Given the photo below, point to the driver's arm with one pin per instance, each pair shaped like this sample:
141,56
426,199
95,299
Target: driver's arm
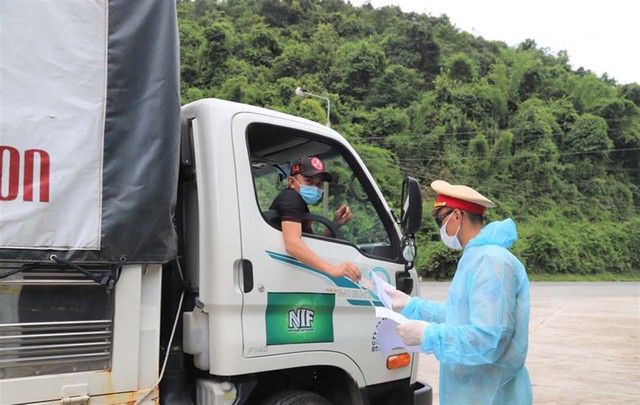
292,234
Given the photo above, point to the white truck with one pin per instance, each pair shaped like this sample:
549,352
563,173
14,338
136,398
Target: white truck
139,260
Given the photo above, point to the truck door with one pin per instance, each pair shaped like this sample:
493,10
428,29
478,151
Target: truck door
288,306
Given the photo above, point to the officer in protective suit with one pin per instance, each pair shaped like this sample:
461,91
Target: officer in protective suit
480,335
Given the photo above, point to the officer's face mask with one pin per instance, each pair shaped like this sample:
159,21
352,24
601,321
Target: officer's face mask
310,195
450,241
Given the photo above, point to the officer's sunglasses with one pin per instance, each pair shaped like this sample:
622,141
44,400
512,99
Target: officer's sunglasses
441,217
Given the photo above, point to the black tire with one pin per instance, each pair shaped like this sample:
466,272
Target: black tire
296,397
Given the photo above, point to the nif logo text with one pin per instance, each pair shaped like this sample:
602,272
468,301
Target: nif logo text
301,318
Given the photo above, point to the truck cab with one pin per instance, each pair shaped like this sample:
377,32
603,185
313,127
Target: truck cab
287,325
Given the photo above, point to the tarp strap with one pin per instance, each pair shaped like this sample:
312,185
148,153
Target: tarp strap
108,280
25,268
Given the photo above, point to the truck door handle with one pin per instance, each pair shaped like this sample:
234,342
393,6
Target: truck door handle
247,275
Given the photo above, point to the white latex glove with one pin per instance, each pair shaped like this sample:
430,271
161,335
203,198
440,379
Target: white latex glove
399,299
412,332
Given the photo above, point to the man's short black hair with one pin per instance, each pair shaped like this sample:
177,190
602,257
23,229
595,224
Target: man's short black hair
475,218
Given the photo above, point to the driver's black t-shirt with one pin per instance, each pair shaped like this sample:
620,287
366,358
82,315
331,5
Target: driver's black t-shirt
292,207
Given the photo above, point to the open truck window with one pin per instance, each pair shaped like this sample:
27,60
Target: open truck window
273,149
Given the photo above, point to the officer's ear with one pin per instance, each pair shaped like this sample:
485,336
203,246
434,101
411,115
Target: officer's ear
458,213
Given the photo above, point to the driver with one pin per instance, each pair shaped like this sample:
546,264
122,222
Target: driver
306,184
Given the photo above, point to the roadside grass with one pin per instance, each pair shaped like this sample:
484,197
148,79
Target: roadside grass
631,276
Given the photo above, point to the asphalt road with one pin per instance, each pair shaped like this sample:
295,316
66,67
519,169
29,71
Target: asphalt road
584,342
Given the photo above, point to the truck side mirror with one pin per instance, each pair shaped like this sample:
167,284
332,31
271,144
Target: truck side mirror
411,214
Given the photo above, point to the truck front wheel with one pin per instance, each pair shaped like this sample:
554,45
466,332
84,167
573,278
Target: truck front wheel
297,397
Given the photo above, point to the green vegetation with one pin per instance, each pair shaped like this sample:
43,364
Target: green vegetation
634,276
557,149
559,278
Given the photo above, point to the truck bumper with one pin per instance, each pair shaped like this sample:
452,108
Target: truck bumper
422,393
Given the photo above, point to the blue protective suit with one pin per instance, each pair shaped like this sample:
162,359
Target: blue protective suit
480,335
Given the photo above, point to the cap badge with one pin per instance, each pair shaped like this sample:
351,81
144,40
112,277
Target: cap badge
317,163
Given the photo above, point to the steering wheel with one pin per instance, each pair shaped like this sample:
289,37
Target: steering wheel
326,222
273,217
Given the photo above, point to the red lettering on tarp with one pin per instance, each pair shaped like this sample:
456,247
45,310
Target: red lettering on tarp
10,172
29,162
12,165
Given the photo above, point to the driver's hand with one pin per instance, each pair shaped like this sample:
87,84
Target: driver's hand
346,269
343,215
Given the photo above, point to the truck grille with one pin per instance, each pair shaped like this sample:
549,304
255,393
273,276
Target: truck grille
50,342
51,325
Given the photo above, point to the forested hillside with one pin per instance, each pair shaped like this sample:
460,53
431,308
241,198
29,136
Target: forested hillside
557,149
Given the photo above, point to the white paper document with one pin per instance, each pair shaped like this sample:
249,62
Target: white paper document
387,334
379,288
389,314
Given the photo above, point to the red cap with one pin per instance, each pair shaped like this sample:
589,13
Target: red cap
460,197
310,166
452,202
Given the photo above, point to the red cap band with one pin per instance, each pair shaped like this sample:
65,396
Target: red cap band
452,202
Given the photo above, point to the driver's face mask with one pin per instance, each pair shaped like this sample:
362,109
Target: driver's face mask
310,194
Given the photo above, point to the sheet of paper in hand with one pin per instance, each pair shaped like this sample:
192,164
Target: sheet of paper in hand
387,334
379,287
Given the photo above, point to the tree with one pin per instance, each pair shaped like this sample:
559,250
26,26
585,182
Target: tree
461,68
218,47
588,91
587,146
261,46
385,169
533,122
479,153
192,42
631,92
294,60
412,44
356,66
397,86
324,47
382,122
282,13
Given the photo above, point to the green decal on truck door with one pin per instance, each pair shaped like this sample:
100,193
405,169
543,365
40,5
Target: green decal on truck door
299,318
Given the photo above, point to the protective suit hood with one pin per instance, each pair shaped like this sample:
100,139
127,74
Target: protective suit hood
501,233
